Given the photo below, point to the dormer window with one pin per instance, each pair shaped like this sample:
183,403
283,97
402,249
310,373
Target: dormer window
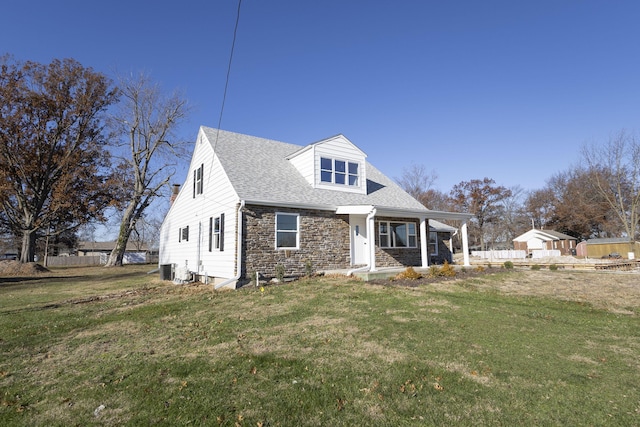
332,164
340,172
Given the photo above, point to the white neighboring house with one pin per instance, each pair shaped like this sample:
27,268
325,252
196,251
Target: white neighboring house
537,240
253,205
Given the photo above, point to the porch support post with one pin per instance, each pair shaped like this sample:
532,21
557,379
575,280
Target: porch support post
465,244
371,239
424,242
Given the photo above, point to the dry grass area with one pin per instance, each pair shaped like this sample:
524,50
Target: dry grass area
615,291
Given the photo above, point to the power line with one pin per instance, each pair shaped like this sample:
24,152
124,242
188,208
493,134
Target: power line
226,84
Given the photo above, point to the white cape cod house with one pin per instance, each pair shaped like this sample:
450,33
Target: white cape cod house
250,204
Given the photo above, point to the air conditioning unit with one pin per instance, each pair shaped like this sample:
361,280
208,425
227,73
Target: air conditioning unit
183,274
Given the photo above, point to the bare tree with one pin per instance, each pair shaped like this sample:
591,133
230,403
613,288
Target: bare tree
513,218
417,181
146,124
540,207
615,175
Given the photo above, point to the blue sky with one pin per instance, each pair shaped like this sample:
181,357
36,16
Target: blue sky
508,90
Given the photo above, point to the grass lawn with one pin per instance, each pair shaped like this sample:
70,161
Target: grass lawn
95,346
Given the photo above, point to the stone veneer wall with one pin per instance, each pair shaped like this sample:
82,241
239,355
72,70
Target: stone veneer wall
324,242
444,253
397,257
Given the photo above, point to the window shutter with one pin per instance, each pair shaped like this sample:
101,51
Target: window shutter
195,172
201,189
221,232
210,234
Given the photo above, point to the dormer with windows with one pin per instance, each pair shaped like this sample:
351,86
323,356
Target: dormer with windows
333,164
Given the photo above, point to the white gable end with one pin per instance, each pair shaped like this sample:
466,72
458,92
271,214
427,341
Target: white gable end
199,230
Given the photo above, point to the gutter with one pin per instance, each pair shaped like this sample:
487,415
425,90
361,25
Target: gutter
239,251
371,239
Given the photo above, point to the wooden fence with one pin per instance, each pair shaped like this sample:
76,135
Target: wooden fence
76,261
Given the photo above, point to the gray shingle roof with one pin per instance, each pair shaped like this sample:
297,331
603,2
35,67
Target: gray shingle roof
259,171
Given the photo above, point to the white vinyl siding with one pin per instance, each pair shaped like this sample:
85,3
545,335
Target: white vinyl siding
303,162
221,201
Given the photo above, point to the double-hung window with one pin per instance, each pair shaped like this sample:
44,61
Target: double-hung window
397,234
433,243
287,230
341,172
198,176
216,233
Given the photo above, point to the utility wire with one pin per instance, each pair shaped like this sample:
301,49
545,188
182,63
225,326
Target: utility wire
226,84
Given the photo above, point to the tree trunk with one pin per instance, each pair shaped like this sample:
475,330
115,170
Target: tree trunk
28,246
117,254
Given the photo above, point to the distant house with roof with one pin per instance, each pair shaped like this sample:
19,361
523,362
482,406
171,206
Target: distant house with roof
135,252
535,239
253,205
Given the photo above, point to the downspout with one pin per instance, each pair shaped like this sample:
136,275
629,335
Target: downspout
239,251
371,239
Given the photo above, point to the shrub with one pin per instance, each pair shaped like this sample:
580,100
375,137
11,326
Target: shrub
535,267
280,272
508,265
553,267
308,268
479,269
409,273
446,270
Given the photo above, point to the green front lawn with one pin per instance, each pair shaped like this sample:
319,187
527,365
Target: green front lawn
116,346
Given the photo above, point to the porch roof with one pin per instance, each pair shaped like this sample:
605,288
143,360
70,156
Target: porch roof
395,211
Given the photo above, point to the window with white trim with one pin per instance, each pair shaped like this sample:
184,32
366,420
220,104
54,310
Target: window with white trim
433,243
216,233
198,176
341,172
287,230
397,234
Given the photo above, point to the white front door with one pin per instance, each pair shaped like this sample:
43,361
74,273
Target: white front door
359,250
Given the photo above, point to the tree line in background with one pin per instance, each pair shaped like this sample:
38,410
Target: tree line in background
599,198
75,147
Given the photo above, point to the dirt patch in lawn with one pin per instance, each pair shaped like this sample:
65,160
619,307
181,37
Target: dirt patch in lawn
17,268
